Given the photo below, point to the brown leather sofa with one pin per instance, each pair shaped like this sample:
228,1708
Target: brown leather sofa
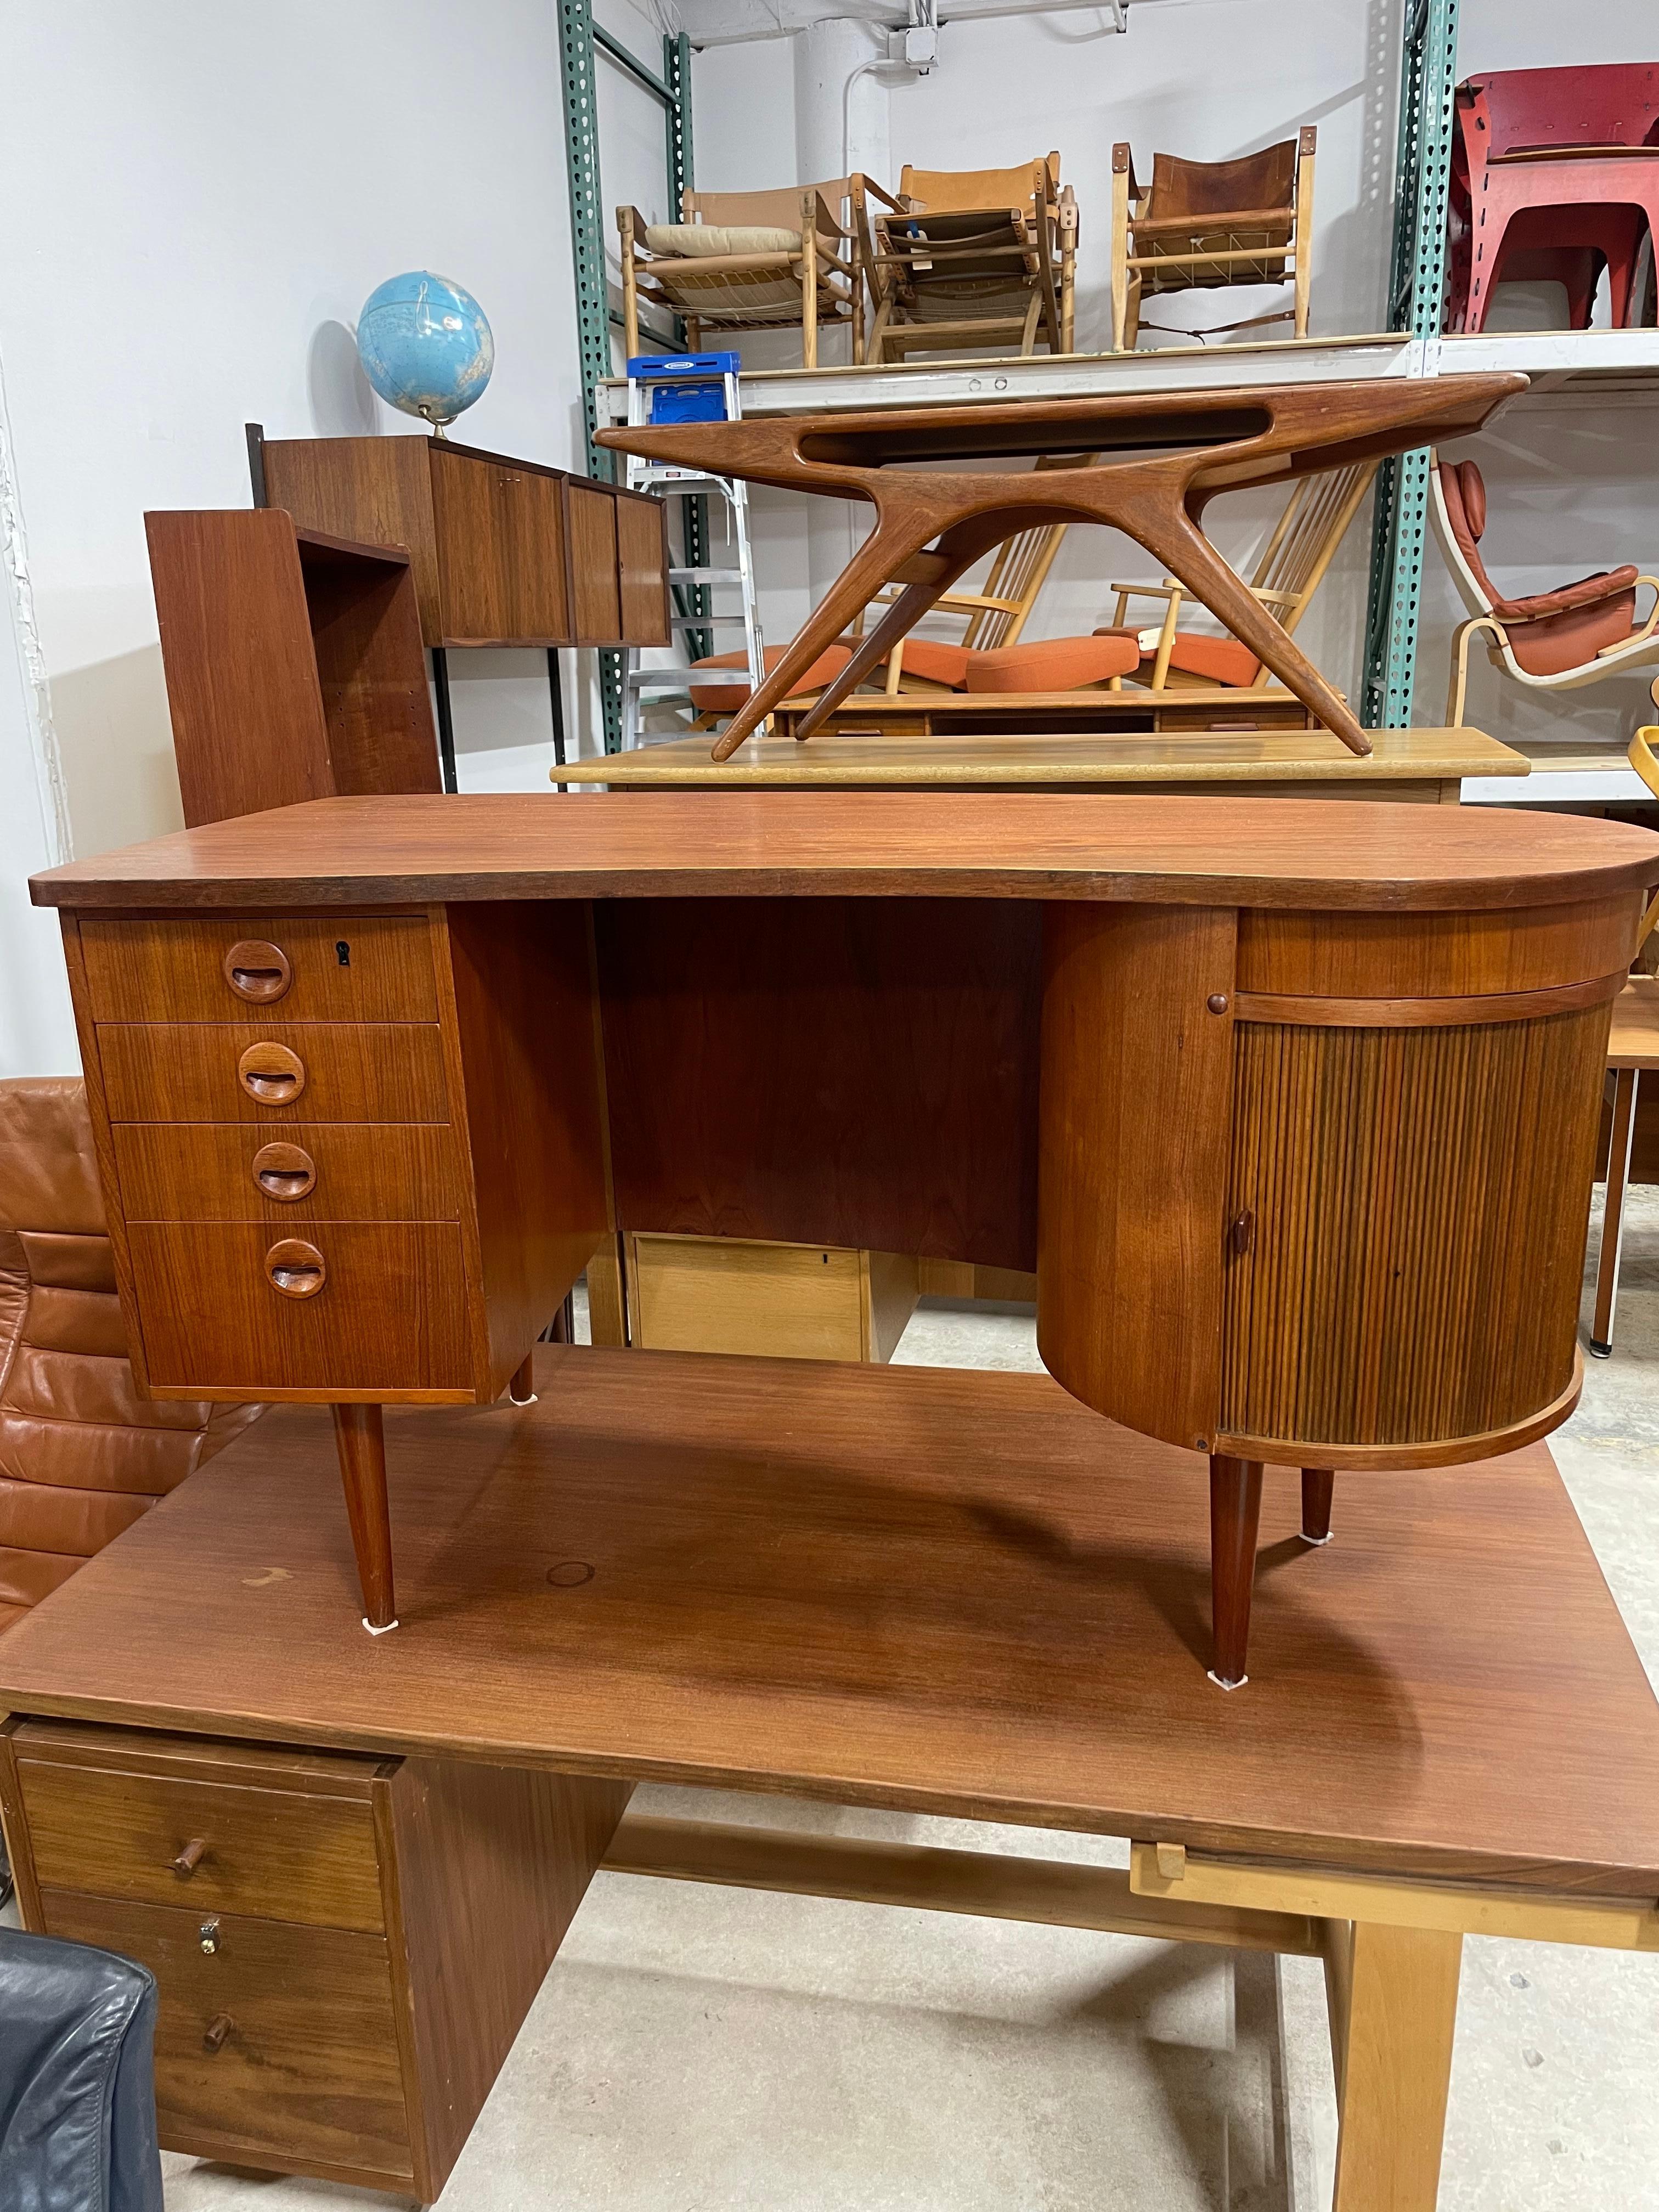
81,1454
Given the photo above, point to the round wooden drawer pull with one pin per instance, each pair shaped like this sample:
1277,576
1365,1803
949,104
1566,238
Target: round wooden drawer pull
189,1858
271,1073
218,2030
256,970
285,1171
298,1270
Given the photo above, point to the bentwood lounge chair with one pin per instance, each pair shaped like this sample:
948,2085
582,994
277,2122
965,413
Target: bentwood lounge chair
734,262
972,258
1555,641
1555,175
1205,225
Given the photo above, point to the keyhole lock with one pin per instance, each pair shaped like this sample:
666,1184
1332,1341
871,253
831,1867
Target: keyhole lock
208,1936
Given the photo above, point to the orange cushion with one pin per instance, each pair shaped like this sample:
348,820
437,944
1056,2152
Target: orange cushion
1572,638
935,662
1217,660
1055,664
729,698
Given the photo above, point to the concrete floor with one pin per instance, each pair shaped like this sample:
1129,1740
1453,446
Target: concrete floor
695,2048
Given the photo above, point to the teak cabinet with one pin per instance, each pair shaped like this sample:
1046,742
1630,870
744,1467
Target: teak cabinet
293,663
345,1946
502,551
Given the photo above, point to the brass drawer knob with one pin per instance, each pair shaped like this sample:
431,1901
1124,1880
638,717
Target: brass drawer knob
208,1937
285,1171
218,2028
295,1268
258,971
189,1858
271,1073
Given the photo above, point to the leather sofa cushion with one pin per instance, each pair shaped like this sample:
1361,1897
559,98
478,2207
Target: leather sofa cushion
69,1263
1464,492
83,1455
28,1577
38,1516
1574,637
48,1171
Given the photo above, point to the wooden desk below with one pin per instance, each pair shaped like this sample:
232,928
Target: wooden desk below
1403,765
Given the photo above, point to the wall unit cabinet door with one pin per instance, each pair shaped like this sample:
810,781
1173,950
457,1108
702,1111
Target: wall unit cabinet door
592,510
642,569
501,551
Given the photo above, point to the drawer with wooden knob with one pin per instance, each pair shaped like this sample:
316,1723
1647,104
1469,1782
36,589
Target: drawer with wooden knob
277,1070
181,1171
331,968
273,2036
281,1838
365,1308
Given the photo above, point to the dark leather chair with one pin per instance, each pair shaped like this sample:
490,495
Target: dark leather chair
77,2080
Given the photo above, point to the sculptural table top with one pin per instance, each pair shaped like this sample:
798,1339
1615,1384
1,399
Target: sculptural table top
1314,854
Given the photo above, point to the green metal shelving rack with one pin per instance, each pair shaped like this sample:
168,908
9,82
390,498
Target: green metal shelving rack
1416,288
579,35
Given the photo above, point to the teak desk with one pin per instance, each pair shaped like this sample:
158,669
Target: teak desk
1292,1106
349,1865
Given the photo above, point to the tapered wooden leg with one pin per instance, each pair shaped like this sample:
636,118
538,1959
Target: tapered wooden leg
522,1389
1624,1082
1317,1484
1235,1514
1400,1997
360,1439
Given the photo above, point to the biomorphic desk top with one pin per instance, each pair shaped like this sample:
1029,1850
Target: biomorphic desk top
1202,851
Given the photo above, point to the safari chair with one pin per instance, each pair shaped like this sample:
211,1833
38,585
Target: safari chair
734,262
1205,225
1554,641
1291,569
970,259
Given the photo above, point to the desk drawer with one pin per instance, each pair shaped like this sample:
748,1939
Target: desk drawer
340,1305
282,2040
184,1171
344,968
205,1847
305,1070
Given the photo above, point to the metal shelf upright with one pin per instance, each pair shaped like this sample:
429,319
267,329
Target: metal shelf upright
1417,285
579,35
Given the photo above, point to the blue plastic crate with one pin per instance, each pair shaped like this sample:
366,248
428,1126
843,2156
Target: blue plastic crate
685,387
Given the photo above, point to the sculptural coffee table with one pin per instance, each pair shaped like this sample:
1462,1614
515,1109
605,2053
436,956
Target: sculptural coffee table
1159,461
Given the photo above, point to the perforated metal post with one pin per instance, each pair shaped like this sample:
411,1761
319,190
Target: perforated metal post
581,142
1417,286
688,599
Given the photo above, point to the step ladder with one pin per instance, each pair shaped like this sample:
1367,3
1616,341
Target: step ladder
696,387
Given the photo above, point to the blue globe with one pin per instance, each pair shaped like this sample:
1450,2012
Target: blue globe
426,345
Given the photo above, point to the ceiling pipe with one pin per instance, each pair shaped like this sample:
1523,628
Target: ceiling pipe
736,23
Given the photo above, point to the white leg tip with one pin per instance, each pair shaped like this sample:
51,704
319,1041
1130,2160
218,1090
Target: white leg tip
1220,1685
1307,1538
372,1630
529,1400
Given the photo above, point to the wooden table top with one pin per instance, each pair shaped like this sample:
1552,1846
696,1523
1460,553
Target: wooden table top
1205,851
1050,759
961,1593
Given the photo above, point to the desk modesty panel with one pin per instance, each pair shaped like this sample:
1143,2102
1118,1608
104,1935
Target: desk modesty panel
1265,1092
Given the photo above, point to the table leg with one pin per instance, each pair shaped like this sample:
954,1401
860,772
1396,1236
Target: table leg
556,687
446,721
360,1439
1625,1084
1402,2000
522,1387
1317,1484
1235,1514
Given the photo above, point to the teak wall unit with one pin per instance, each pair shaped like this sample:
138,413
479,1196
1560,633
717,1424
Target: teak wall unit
503,552
1292,1106
293,663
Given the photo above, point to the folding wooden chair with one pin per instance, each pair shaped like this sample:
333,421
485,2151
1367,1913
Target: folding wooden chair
971,258
1554,641
735,262
1202,225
